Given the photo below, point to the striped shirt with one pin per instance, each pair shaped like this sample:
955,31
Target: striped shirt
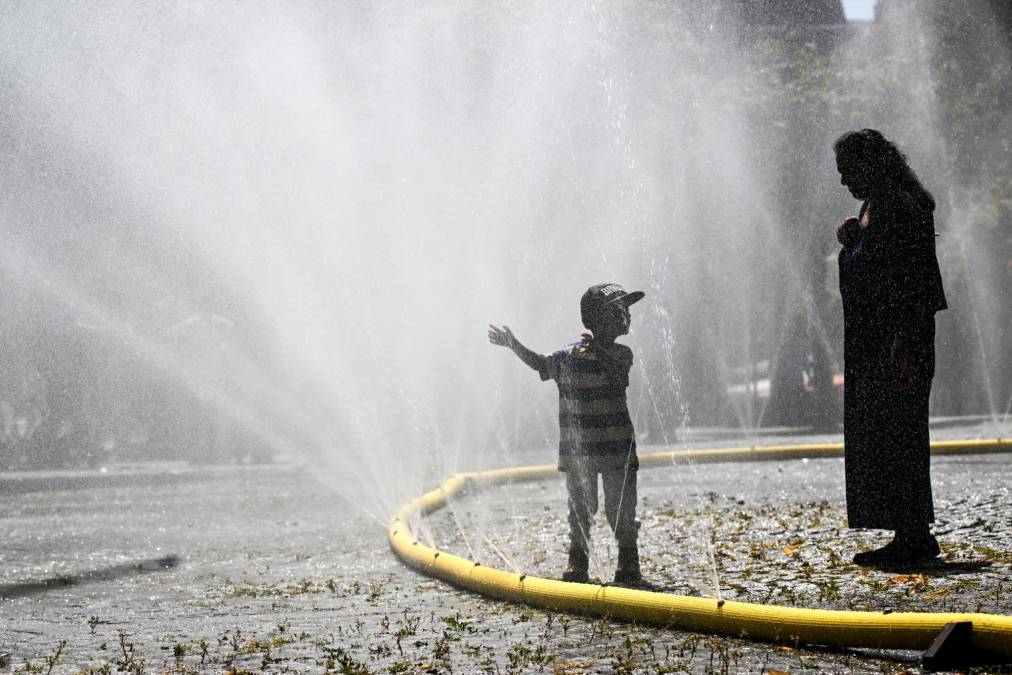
594,425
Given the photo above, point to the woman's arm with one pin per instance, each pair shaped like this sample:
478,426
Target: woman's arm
912,277
912,281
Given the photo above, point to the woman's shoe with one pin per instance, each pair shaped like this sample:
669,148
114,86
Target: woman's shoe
901,551
880,556
921,548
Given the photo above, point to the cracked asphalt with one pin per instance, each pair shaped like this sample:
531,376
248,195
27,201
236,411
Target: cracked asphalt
275,573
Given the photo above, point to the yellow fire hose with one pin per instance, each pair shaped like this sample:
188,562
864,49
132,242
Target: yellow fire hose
991,634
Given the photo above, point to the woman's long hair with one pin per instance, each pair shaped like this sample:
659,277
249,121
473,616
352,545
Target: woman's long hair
887,165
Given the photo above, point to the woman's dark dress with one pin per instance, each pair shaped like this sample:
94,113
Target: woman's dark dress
891,286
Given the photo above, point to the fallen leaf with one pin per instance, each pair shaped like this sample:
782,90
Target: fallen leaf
936,594
790,550
907,579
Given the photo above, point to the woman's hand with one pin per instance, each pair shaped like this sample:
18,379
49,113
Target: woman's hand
847,231
898,357
502,337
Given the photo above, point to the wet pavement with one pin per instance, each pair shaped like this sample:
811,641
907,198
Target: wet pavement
276,573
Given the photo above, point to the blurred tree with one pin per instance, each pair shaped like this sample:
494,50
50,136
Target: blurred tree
972,66
793,13
794,65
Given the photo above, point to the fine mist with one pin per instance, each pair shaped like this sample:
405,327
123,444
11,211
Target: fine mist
304,215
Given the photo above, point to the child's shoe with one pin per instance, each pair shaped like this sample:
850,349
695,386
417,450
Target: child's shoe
628,569
576,570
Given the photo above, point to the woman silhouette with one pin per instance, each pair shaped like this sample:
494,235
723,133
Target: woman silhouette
891,289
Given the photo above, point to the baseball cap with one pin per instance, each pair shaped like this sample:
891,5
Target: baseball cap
598,296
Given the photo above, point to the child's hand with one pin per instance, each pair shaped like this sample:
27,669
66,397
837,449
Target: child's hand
589,344
501,336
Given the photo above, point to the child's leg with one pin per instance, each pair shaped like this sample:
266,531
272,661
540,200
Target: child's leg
620,504
582,486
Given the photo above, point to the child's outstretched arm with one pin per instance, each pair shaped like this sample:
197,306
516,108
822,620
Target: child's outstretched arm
504,338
